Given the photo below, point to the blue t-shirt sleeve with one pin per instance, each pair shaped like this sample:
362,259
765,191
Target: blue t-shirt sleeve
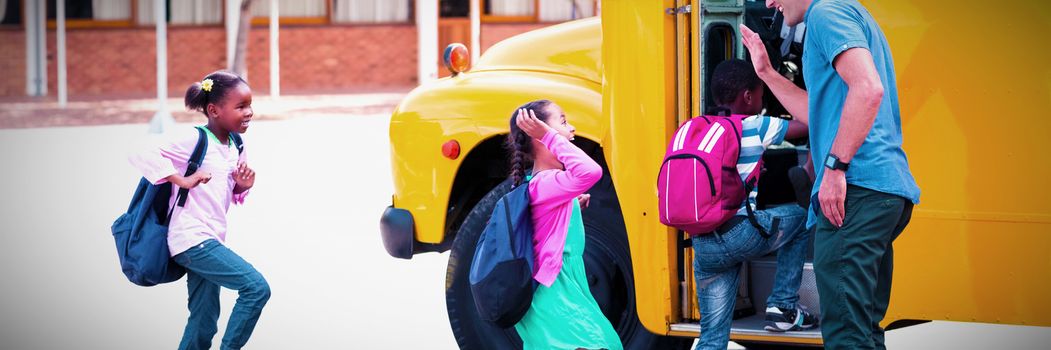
837,27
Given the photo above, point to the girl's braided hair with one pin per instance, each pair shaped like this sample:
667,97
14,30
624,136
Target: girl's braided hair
519,144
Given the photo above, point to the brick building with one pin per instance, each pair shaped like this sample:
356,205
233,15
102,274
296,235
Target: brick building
325,45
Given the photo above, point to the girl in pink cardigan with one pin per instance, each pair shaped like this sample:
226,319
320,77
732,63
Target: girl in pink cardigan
564,314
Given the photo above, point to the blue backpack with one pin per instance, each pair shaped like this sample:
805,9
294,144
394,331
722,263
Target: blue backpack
501,273
141,234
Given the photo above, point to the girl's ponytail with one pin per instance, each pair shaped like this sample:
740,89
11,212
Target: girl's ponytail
521,149
196,99
211,89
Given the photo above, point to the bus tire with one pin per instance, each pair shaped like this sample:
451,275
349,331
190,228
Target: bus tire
608,265
470,331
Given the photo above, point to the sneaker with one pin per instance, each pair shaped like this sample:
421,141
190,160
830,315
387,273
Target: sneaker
786,320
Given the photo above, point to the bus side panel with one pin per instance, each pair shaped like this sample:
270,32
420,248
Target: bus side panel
638,55
974,90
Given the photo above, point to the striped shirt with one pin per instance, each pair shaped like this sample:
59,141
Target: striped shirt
758,133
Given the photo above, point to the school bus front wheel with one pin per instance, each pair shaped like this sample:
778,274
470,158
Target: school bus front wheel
608,265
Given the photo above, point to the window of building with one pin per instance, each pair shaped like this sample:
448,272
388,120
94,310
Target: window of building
292,11
10,13
527,10
509,10
183,12
94,13
565,10
371,11
455,8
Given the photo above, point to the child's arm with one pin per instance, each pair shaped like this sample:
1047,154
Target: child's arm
796,130
771,130
191,181
581,172
159,164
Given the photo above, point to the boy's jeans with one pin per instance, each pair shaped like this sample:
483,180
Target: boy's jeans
210,265
717,261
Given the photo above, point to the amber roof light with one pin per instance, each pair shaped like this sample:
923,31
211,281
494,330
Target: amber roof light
456,58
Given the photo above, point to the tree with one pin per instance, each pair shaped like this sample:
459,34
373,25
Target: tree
241,49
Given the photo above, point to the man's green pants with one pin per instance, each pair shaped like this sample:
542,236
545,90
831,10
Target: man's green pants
854,266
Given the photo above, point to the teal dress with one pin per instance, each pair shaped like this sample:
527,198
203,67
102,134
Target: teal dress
565,315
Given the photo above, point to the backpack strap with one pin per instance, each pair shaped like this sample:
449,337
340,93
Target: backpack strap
194,163
751,184
751,213
236,139
738,133
510,227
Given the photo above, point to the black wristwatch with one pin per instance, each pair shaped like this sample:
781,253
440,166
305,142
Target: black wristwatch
833,162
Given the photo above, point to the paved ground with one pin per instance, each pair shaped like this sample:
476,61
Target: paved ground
37,112
310,225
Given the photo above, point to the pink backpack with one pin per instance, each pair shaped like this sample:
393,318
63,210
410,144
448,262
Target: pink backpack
699,187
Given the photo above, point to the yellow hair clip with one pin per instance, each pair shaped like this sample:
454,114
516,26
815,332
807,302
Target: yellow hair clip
206,85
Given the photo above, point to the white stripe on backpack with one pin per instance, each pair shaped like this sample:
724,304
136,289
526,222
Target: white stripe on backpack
715,139
667,189
680,137
711,138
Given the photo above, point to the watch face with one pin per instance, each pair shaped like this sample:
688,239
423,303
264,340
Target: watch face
830,162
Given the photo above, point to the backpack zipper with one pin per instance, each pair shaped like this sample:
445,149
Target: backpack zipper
711,179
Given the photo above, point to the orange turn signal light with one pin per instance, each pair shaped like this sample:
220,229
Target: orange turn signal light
451,149
456,58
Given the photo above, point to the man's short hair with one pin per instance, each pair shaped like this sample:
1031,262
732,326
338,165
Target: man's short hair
730,78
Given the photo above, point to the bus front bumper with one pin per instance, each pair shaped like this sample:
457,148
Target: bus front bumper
398,231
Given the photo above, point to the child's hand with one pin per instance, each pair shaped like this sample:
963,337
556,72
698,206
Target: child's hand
244,177
584,200
531,125
191,181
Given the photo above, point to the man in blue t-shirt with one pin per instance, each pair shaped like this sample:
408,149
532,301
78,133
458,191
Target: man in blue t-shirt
865,190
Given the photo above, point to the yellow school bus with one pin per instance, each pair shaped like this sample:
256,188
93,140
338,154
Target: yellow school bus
974,85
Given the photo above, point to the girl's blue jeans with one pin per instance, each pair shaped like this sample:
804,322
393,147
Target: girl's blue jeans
211,265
